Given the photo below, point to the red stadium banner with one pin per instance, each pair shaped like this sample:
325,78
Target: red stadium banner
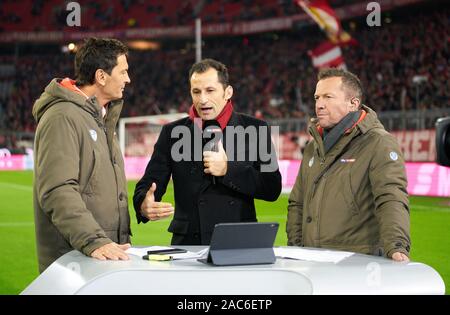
184,31
239,28
327,55
417,146
322,13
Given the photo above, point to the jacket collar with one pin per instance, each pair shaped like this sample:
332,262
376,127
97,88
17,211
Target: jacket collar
371,120
222,118
91,105
363,125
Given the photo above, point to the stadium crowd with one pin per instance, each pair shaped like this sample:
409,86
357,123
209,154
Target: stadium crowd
272,73
51,15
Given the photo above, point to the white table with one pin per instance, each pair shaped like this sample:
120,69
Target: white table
74,273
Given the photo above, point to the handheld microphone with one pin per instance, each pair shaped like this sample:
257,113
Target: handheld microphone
213,133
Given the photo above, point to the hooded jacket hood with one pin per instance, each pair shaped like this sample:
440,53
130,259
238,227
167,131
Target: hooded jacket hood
369,120
64,90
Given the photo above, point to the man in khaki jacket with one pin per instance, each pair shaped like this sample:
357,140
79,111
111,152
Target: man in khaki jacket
80,192
350,193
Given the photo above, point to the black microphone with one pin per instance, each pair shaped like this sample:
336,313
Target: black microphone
212,135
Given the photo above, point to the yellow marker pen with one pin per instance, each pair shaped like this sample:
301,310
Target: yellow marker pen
157,257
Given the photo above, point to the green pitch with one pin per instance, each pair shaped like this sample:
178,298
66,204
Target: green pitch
430,230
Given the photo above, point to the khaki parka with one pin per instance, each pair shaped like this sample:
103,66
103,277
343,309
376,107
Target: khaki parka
353,198
80,193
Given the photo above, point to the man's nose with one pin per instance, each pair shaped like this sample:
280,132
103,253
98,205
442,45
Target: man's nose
127,79
203,99
320,104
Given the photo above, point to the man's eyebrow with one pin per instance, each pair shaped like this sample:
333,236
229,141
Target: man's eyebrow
326,93
206,88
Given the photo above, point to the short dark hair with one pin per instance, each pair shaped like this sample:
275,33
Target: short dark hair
350,81
206,64
97,53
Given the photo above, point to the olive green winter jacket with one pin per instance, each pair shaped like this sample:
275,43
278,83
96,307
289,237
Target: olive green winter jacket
354,197
80,193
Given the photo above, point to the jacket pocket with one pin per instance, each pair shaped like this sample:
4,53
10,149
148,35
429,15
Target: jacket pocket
91,183
348,194
178,227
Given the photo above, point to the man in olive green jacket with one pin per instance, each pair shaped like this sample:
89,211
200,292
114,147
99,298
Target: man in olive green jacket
350,193
80,193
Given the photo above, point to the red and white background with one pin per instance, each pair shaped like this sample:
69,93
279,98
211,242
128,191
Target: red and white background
425,178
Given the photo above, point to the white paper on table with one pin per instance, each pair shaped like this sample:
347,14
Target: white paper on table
141,251
311,254
191,255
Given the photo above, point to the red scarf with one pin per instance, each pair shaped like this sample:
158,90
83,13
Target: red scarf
223,118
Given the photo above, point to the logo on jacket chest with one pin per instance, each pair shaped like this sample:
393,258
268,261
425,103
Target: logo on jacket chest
93,134
311,162
393,155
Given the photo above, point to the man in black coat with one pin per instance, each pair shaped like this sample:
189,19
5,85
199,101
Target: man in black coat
211,185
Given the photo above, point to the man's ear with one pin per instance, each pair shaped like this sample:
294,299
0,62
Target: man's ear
228,92
356,102
100,77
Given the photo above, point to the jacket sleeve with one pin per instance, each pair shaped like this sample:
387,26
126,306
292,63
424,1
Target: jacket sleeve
388,179
158,171
260,180
57,186
295,211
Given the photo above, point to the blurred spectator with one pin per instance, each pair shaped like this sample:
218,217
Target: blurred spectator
104,15
271,72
